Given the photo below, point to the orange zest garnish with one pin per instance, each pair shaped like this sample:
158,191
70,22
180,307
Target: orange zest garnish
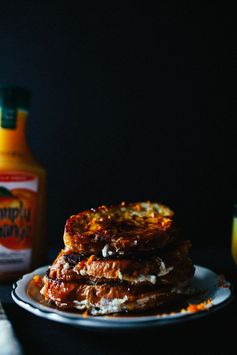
203,306
37,279
91,258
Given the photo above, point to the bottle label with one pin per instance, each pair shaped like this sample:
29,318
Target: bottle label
18,192
8,117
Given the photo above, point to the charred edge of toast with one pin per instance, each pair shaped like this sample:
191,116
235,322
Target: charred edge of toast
93,281
72,258
142,288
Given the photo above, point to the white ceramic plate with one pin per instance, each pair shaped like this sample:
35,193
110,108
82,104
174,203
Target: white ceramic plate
204,280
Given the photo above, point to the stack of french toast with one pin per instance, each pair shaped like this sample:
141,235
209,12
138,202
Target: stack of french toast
121,258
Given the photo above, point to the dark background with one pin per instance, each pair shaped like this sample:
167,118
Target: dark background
129,103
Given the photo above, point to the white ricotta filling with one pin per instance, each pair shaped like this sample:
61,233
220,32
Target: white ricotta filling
163,269
105,306
141,278
149,278
141,303
120,275
106,252
42,291
59,304
66,266
81,304
136,280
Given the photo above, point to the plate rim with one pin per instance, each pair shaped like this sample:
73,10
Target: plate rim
109,321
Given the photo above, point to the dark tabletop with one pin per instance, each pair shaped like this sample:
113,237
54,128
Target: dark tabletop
213,334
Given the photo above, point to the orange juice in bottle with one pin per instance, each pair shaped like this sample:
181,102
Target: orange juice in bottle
22,189
234,236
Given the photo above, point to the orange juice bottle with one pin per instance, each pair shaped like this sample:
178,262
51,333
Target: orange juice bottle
234,236
22,190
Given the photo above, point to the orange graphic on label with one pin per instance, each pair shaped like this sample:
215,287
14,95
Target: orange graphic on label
17,218
18,192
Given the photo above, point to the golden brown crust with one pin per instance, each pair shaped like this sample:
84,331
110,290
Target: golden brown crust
119,229
105,299
177,274
67,267
119,258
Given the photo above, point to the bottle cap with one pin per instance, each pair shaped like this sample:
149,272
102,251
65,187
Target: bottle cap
15,96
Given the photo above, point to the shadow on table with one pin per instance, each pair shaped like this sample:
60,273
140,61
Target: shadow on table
202,336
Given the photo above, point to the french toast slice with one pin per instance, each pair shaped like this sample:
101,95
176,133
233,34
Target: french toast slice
120,229
106,299
70,266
